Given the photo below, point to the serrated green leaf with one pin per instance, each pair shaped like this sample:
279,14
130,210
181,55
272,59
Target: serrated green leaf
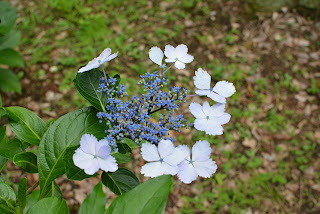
50,205
32,199
8,16
95,202
64,133
121,158
120,181
25,124
72,171
10,40
11,57
87,83
123,148
149,197
27,161
7,194
8,149
22,194
53,190
9,81
49,123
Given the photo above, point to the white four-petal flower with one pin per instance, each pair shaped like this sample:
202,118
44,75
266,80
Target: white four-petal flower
104,57
93,155
156,55
163,159
178,55
200,165
209,119
218,93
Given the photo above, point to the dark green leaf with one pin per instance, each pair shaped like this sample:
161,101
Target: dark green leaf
11,57
27,161
50,205
121,158
149,197
95,202
4,209
3,163
87,84
22,194
120,181
9,81
53,190
25,124
8,149
49,123
32,199
72,171
0,101
8,16
64,133
7,194
130,143
10,40
123,148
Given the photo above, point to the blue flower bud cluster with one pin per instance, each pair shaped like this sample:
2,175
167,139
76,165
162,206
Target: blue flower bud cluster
135,118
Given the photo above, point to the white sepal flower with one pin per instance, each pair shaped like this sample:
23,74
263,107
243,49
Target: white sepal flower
178,55
200,165
104,57
156,55
218,93
93,155
163,159
209,119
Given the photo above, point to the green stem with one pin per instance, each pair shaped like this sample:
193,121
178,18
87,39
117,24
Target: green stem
32,188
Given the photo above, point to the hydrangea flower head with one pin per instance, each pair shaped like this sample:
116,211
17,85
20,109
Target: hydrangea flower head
104,57
178,55
156,55
209,119
218,93
199,165
93,155
163,159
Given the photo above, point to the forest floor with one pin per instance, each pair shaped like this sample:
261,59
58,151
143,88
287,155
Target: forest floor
268,157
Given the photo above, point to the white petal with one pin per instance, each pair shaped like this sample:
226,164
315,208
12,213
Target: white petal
187,172
181,51
91,65
149,152
214,128
153,169
224,88
168,169
205,168
217,110
196,110
88,144
170,60
169,51
93,168
108,164
102,149
186,59
156,55
223,119
201,151
105,53
179,65
206,109
82,159
201,124
203,92
112,56
186,150
176,157
202,79
216,97
165,148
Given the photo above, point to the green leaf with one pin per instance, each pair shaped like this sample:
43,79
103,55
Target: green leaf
9,81
123,148
120,181
95,202
3,163
64,133
11,57
72,171
10,40
8,149
32,199
149,197
130,143
27,161
121,158
7,194
22,194
53,190
8,16
87,84
0,101
49,123
25,124
4,209
50,205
